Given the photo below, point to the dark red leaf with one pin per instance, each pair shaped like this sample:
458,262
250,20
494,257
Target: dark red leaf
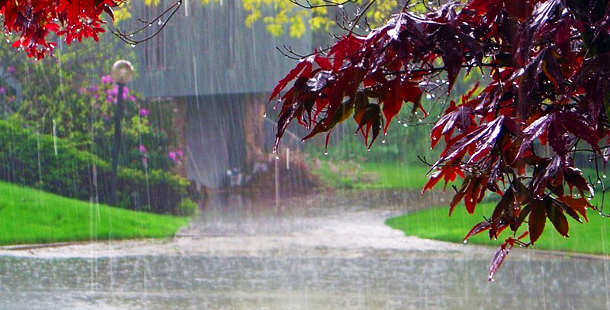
558,219
564,207
537,220
458,117
303,68
579,205
526,35
477,229
498,259
500,255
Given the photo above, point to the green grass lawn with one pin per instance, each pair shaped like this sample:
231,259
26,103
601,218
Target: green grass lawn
372,175
32,216
434,223
393,175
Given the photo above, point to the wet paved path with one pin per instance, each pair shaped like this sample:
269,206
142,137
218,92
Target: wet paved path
322,251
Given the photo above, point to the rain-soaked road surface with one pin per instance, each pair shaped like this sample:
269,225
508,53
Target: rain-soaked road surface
322,251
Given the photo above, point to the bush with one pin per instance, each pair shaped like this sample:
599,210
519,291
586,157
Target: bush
54,165
187,208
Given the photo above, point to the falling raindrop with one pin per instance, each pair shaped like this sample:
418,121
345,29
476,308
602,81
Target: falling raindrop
55,137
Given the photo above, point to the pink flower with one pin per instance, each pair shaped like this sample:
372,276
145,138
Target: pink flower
2,90
179,153
142,149
132,98
144,112
106,79
172,155
11,69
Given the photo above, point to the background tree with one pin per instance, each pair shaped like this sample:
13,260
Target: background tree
544,87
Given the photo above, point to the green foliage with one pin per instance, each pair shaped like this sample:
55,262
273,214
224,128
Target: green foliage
187,208
70,97
34,216
55,165
53,89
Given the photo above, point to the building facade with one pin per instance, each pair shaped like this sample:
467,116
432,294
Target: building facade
219,73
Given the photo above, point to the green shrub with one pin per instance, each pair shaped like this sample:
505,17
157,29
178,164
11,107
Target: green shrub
187,208
54,165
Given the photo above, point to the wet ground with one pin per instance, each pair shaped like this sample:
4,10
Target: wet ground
320,251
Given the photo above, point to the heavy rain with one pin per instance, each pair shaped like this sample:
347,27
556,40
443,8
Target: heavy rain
244,154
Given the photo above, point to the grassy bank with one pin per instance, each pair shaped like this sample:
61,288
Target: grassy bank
435,224
371,175
32,216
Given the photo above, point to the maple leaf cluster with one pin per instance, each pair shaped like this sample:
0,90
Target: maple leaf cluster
547,86
34,20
